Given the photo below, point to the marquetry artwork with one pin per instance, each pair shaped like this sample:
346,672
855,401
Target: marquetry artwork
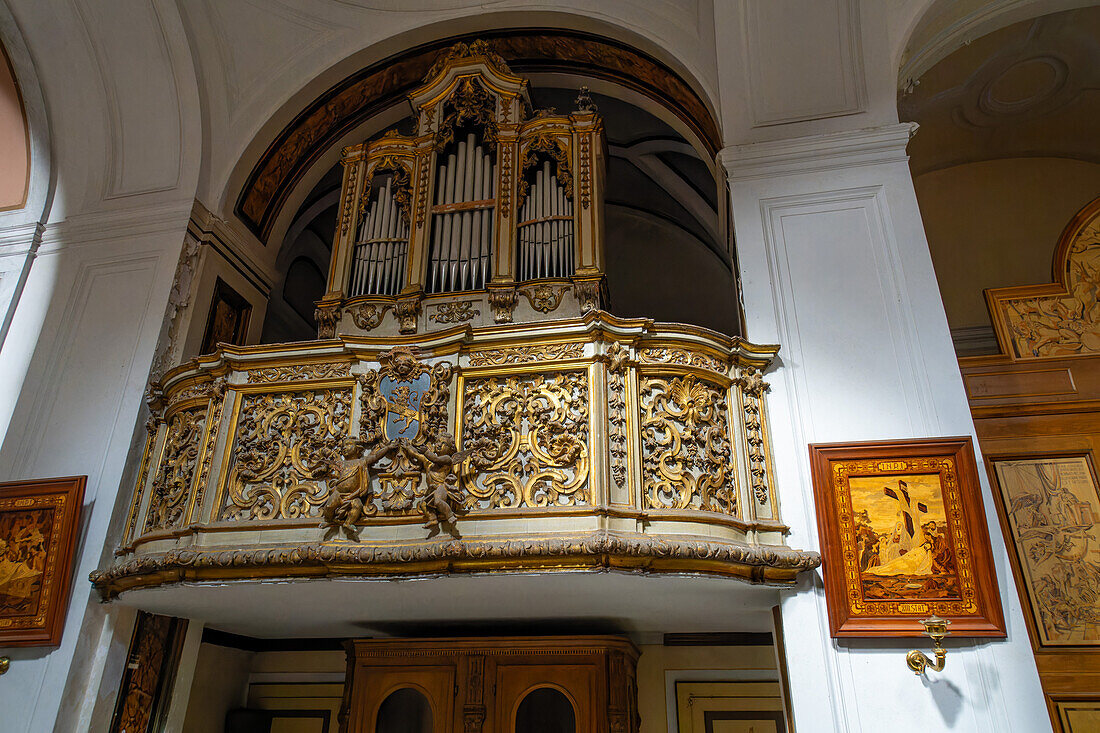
285,444
441,225
687,454
1063,318
38,531
567,683
385,457
904,533
538,427
1053,509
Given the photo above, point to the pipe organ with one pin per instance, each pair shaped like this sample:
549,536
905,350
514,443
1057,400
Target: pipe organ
462,219
382,247
488,201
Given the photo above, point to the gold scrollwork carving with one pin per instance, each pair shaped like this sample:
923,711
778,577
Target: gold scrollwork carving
327,317
286,442
349,196
527,354
458,311
407,311
299,372
687,457
368,316
545,298
679,357
402,185
179,459
503,302
538,425
470,104
618,358
753,388
554,148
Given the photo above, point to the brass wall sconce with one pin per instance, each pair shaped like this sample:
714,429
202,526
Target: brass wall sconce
5,662
936,628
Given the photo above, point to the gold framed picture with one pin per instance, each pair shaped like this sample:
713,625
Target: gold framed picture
38,529
903,537
1049,505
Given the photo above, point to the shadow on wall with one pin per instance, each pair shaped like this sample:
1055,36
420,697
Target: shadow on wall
656,269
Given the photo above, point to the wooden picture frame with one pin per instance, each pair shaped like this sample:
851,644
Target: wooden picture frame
903,537
228,320
38,531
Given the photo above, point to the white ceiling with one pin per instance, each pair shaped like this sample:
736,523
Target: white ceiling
631,603
1031,89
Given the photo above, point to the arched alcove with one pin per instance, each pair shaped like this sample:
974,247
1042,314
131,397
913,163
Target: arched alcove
668,257
15,148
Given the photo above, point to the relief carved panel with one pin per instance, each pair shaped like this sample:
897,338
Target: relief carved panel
687,455
537,425
285,443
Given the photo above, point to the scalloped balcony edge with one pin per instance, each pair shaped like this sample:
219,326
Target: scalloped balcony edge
760,564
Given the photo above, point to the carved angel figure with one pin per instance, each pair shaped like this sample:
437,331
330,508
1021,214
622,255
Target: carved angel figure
441,459
349,488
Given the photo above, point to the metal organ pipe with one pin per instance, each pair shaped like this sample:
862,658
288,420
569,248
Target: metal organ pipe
545,231
461,238
378,264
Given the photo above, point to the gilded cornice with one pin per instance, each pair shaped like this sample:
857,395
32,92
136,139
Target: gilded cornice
761,564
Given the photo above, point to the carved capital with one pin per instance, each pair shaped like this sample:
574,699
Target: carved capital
589,294
327,316
408,313
503,302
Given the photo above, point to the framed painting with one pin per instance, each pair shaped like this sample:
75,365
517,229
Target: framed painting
38,529
228,319
1050,507
903,537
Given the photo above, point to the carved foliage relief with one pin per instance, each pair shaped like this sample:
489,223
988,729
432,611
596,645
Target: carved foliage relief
172,481
1036,323
285,442
538,424
687,456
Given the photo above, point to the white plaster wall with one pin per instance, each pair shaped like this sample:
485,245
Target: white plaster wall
836,269
136,95
94,259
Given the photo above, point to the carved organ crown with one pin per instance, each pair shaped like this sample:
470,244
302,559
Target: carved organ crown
486,214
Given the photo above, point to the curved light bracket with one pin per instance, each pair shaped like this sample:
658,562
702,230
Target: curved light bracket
936,628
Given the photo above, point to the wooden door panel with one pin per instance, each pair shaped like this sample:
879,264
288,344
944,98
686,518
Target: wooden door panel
374,685
576,681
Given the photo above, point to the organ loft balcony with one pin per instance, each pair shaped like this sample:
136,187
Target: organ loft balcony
470,405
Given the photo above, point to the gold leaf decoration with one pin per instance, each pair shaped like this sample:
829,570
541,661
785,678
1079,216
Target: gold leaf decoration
172,482
539,423
285,443
687,457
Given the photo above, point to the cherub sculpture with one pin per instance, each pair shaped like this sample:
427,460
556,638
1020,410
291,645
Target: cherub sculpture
349,485
441,460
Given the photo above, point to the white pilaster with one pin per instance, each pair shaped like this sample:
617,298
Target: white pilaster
835,268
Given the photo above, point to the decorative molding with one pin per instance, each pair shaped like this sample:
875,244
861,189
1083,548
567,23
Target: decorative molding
975,341
458,311
764,564
816,153
526,354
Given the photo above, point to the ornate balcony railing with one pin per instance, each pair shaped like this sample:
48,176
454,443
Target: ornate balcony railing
581,443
